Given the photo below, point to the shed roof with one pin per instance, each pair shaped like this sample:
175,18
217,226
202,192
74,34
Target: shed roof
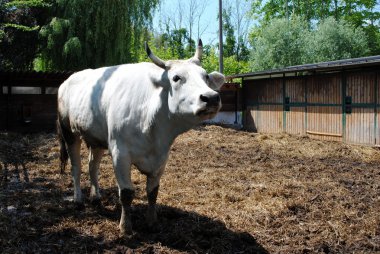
34,74
338,65
22,78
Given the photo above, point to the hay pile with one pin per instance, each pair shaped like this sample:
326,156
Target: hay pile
224,191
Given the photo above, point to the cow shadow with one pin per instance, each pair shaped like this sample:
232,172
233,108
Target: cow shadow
176,230
186,231
56,225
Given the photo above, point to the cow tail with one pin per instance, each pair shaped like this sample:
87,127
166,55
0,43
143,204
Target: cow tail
64,156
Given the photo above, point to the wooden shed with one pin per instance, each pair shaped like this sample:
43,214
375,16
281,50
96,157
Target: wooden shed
28,100
338,100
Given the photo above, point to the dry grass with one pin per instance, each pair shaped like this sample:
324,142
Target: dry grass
224,191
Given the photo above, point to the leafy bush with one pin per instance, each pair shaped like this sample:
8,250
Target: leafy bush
335,40
279,44
285,42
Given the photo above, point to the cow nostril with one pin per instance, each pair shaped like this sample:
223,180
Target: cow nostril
204,98
211,100
214,99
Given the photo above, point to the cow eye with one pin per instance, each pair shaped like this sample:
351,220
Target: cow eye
207,77
176,78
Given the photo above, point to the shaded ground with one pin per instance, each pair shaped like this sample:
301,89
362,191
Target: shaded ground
224,191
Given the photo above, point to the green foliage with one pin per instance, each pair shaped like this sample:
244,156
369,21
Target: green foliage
232,66
356,11
21,27
28,4
229,48
335,40
20,22
210,61
359,13
279,44
285,43
86,33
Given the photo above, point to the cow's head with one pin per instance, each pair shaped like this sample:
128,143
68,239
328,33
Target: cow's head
192,91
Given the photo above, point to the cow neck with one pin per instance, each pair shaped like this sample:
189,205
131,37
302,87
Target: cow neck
167,126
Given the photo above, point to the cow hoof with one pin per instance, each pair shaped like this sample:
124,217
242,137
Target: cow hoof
79,206
126,230
95,202
153,227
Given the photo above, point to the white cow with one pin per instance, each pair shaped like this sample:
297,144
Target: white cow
135,111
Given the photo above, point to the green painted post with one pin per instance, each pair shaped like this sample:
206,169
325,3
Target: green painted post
305,84
343,84
283,104
376,105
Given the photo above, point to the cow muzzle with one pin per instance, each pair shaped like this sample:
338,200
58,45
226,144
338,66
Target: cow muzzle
211,104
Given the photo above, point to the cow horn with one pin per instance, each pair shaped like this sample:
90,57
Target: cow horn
157,61
197,58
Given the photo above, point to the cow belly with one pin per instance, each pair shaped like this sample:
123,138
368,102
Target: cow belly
94,141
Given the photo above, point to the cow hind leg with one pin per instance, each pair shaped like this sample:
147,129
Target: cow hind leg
94,158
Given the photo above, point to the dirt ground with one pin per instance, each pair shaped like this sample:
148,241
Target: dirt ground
224,191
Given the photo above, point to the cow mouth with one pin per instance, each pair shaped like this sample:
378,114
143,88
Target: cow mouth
208,112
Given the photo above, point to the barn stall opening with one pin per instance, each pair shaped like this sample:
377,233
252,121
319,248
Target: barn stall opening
338,100
28,100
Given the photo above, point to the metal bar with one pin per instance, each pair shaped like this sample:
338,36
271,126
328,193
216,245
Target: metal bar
375,108
332,65
243,102
8,113
283,103
253,103
302,104
220,37
343,87
324,134
306,93
236,105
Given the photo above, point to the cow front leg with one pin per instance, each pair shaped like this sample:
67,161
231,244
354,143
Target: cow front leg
95,156
152,187
122,167
126,198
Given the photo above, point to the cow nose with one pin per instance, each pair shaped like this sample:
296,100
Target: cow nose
211,99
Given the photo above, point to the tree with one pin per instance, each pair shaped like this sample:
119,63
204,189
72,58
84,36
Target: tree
86,33
334,40
195,12
242,22
228,31
279,44
236,28
360,13
232,66
20,22
290,42
185,19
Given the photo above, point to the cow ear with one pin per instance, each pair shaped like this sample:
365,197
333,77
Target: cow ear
216,80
